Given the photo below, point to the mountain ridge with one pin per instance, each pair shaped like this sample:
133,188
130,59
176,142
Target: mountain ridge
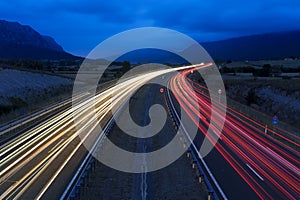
276,45
19,41
23,42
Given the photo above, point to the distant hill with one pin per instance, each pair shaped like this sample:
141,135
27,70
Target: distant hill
255,47
150,55
22,42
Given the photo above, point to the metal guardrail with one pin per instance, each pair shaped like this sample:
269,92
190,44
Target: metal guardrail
205,174
10,126
14,124
78,179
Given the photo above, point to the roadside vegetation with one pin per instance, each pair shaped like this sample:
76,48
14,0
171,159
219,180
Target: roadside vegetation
271,87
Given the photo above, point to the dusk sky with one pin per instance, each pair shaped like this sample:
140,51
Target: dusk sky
80,25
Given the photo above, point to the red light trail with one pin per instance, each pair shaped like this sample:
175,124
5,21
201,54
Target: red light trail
243,142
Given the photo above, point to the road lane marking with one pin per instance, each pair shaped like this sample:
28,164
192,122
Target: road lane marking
255,172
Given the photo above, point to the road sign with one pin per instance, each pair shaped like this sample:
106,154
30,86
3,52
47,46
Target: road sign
275,120
161,90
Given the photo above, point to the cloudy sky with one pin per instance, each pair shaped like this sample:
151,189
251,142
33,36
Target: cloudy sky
80,25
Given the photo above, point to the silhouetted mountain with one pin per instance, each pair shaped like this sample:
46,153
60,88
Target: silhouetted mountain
265,46
19,41
255,47
150,55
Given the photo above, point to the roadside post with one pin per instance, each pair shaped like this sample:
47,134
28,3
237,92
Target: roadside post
219,92
266,129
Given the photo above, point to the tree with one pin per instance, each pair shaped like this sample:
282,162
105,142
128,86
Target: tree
126,66
266,70
251,97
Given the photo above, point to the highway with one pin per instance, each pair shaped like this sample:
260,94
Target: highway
103,182
246,163
32,163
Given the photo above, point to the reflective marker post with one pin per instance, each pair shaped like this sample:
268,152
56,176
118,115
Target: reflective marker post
266,129
219,92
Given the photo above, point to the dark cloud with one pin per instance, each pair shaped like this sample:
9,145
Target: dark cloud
79,25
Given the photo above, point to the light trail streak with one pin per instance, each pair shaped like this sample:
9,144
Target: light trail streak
54,137
244,144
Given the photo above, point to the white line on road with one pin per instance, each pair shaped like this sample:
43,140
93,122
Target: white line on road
255,172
